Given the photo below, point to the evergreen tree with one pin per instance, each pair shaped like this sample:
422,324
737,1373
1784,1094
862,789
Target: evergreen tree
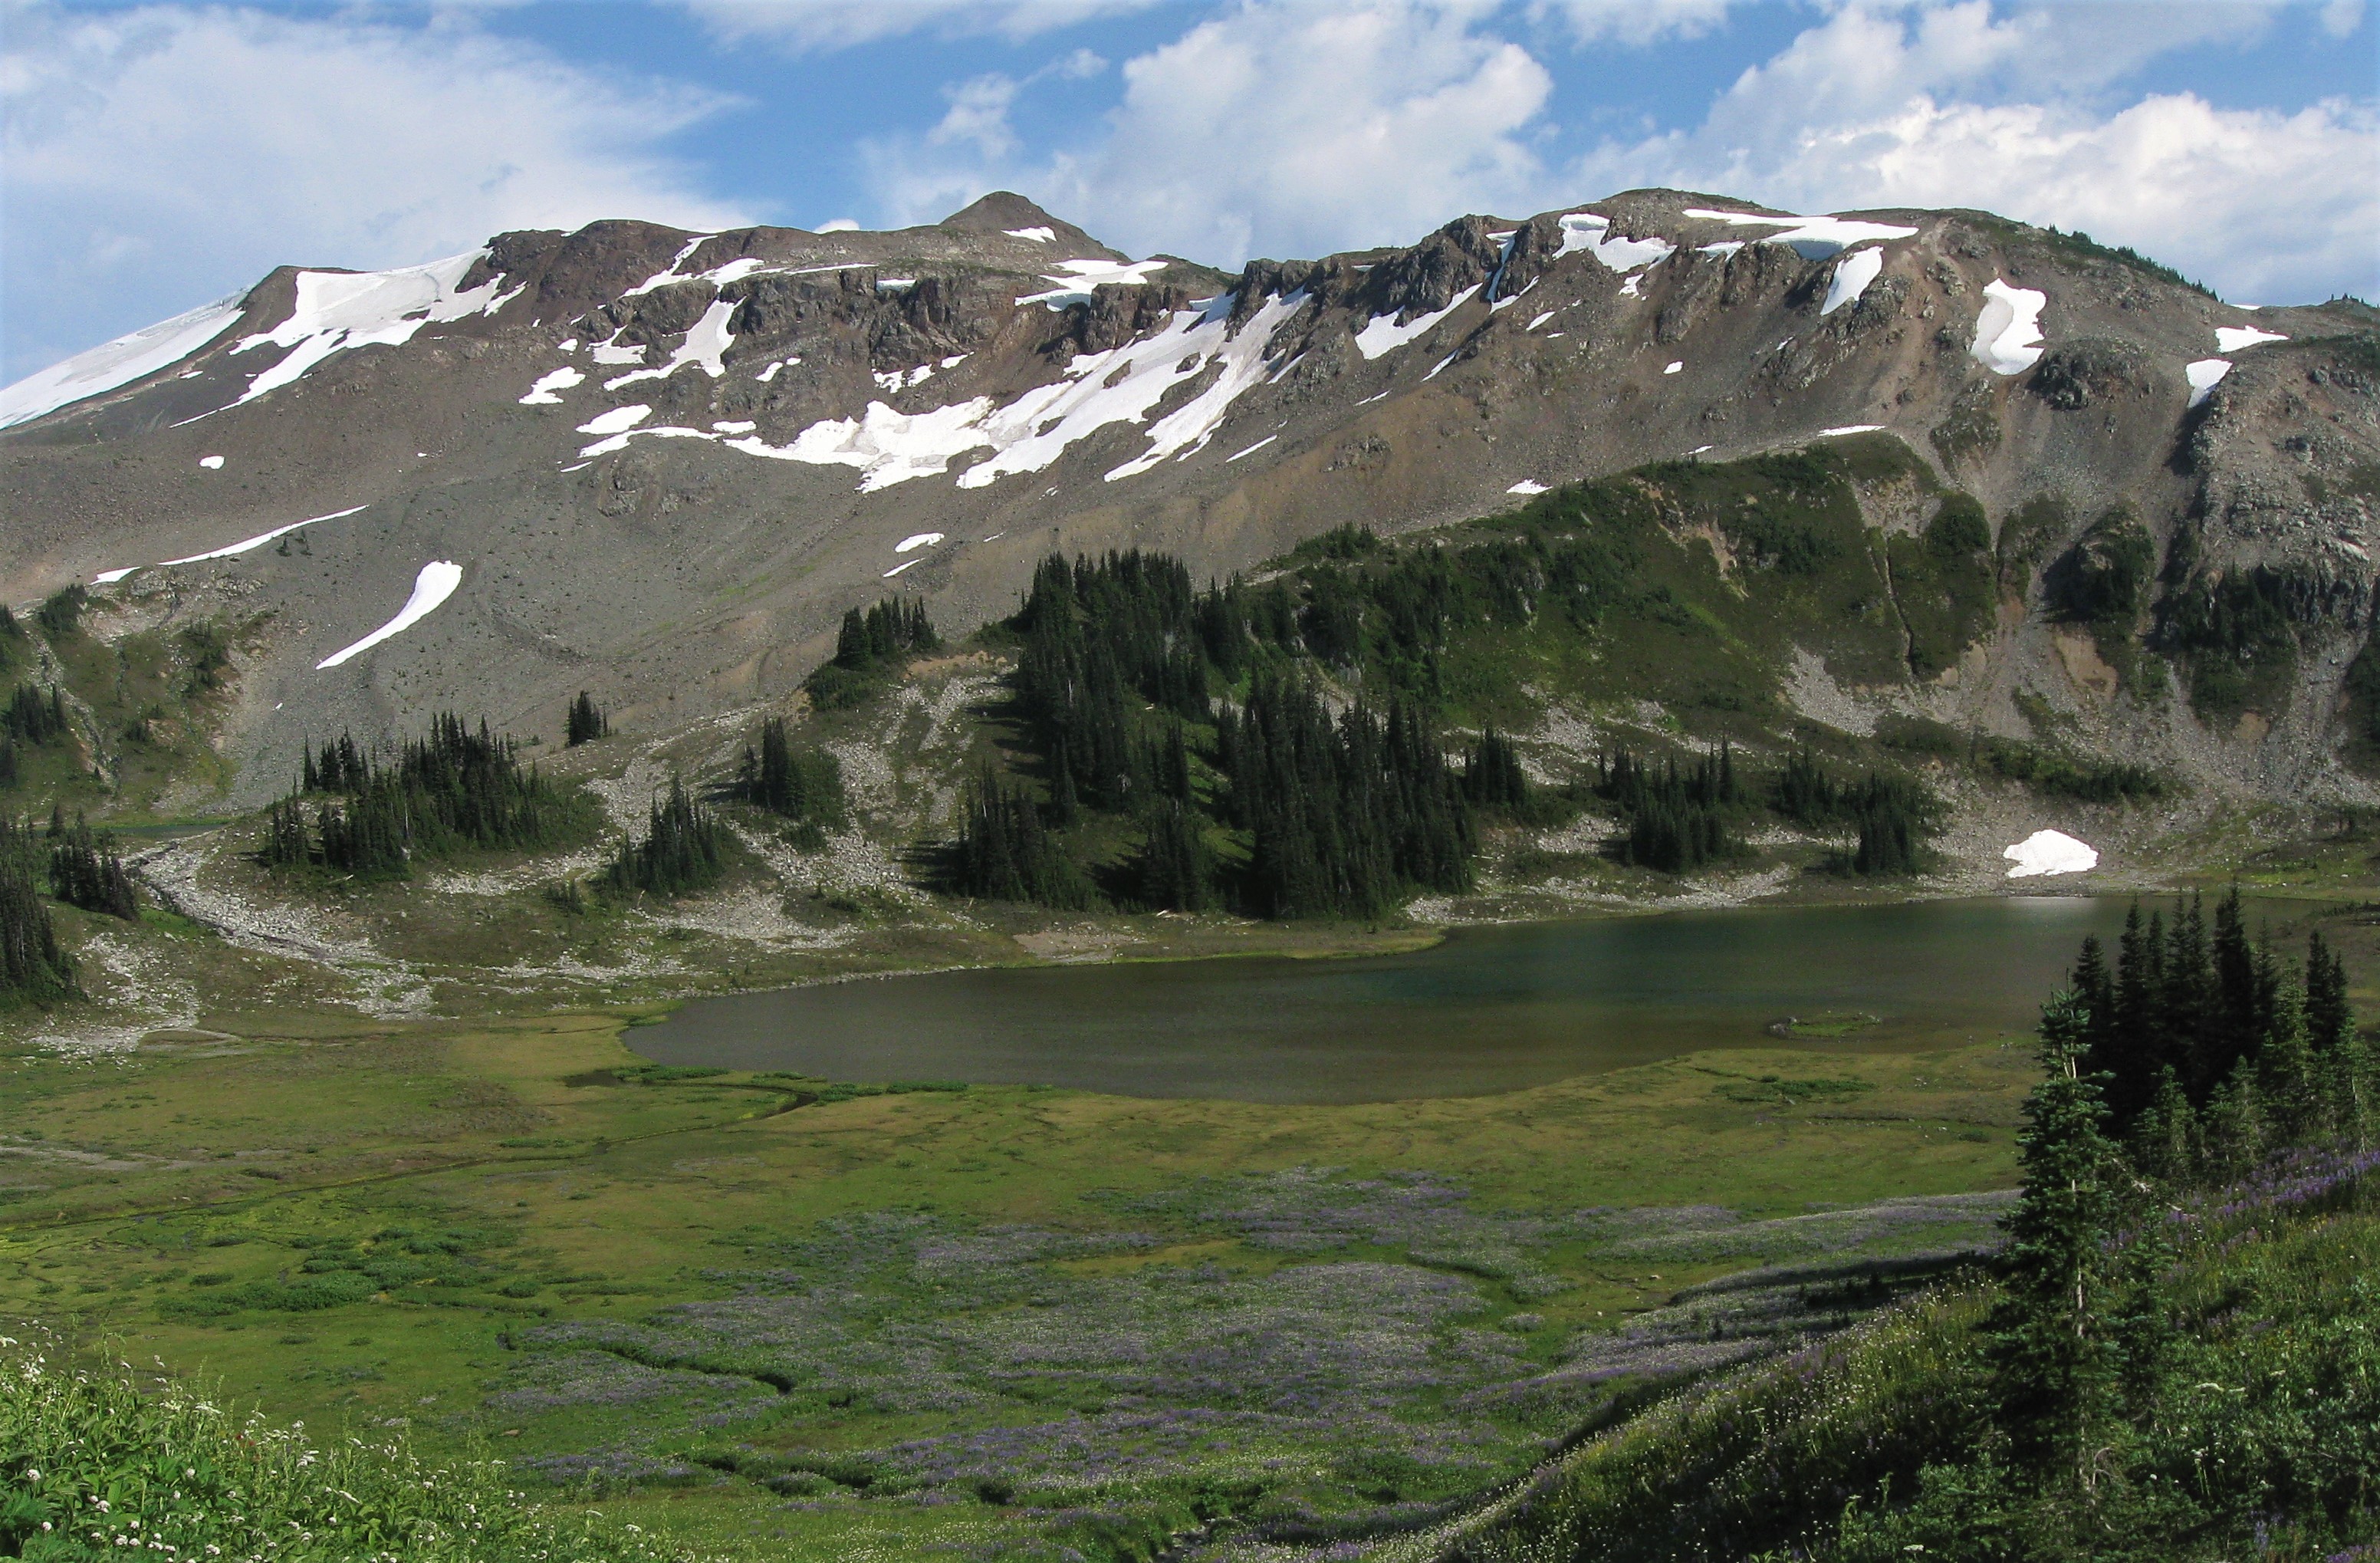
584,721
1805,793
2233,1126
2048,1354
803,784
683,849
1175,871
86,872
1004,854
32,967
35,716
1896,817
1492,776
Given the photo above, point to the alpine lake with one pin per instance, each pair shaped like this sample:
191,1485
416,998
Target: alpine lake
1485,1010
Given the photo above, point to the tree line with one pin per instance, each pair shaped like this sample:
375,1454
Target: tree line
452,789
83,868
869,646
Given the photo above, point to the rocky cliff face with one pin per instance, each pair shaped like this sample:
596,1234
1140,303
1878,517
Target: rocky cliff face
663,464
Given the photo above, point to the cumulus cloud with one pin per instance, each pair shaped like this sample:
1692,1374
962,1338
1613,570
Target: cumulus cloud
1295,128
158,157
1868,110
816,25
1302,129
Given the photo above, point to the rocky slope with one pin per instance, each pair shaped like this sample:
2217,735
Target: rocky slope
660,466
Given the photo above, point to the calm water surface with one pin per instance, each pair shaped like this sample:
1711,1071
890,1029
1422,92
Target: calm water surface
1489,1009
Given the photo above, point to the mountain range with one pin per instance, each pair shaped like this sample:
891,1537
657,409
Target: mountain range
660,466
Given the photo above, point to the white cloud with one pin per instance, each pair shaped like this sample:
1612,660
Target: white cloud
159,157
1295,128
1635,22
1872,110
808,26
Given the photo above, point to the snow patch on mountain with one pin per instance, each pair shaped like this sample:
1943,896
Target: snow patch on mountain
1589,232
1073,280
2231,338
116,363
1038,235
1383,335
542,394
106,578
1121,385
2203,375
1852,273
339,310
1813,239
432,587
706,345
619,418
2007,328
2050,852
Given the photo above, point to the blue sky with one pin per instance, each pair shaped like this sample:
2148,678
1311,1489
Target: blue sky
157,156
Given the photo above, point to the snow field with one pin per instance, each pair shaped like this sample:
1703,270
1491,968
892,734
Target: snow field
916,541
619,418
1590,232
120,362
1675,367
1072,281
2203,375
1841,429
106,578
2232,338
542,394
2050,852
1383,335
339,310
1814,239
706,344
2007,328
1038,235
1528,487
432,587
1852,273
211,463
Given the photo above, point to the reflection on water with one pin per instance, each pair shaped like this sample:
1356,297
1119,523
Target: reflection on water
1489,1009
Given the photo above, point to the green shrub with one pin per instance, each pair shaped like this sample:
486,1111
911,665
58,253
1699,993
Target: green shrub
100,1462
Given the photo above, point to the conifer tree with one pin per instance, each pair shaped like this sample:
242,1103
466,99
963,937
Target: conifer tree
86,872
1175,871
32,966
584,721
683,849
2048,1354
802,785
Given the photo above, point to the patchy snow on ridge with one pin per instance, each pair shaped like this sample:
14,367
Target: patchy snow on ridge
1674,366
658,431
670,274
2050,851
1813,239
338,311
706,344
433,586
1383,335
2231,338
1121,385
916,541
1841,429
108,577
1589,231
2007,328
211,463
1528,486
1037,234
1852,273
1080,276
2203,375
619,418
542,394
116,363
607,353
